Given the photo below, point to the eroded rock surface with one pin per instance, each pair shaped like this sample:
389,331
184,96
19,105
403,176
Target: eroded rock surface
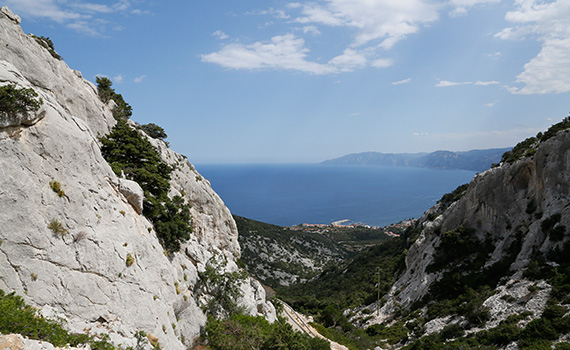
66,253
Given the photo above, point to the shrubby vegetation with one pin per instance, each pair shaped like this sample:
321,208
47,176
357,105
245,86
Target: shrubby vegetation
19,318
223,287
47,44
122,109
242,332
154,131
133,155
528,147
15,100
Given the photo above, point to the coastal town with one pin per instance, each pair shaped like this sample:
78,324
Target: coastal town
355,236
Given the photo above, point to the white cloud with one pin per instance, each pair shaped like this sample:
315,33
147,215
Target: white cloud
460,7
549,23
118,79
220,35
385,20
312,30
400,82
80,16
282,52
382,63
349,60
139,79
445,83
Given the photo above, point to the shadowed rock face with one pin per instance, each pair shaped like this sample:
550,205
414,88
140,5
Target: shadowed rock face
66,253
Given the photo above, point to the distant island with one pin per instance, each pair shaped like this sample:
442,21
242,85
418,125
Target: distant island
475,160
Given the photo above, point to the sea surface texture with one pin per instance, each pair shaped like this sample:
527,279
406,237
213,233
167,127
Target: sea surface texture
291,194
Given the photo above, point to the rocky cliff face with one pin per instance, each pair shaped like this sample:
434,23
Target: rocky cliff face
80,272
517,208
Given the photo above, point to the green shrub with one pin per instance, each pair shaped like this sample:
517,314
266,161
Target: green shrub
223,287
15,100
154,131
57,227
47,44
56,187
243,332
18,318
122,110
128,152
129,260
520,150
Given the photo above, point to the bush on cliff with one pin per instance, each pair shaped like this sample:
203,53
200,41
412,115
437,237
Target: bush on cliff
15,100
133,155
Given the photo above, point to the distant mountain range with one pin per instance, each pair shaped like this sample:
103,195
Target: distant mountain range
476,160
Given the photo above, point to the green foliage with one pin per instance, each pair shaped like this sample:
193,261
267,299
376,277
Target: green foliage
122,110
527,148
308,244
15,100
19,318
56,187
454,195
129,260
57,227
455,247
128,152
222,286
394,334
352,283
242,332
154,131
47,44
563,125
520,150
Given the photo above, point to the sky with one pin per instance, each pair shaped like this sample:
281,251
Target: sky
273,81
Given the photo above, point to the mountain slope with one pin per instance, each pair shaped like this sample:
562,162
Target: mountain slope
486,267
476,160
73,242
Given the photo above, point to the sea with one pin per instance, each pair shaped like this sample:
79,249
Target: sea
292,194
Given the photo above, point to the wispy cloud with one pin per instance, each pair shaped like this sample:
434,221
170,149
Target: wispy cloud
118,78
446,83
376,26
139,79
460,7
385,20
486,83
220,35
82,17
548,22
400,82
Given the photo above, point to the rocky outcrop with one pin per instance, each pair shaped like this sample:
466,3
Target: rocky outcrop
505,205
65,252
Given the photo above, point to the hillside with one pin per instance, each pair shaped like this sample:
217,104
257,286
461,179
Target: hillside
487,267
104,229
280,256
475,160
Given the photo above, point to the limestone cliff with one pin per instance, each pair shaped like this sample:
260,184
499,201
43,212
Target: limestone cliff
513,214
80,273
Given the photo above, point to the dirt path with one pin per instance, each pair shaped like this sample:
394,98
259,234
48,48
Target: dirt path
300,323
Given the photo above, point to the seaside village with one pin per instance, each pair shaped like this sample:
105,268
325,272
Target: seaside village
392,230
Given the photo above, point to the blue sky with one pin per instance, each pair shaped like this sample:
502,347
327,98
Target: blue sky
295,81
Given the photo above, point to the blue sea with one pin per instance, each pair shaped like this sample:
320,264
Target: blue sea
291,194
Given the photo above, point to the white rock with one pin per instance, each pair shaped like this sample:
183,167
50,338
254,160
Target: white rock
133,192
81,275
